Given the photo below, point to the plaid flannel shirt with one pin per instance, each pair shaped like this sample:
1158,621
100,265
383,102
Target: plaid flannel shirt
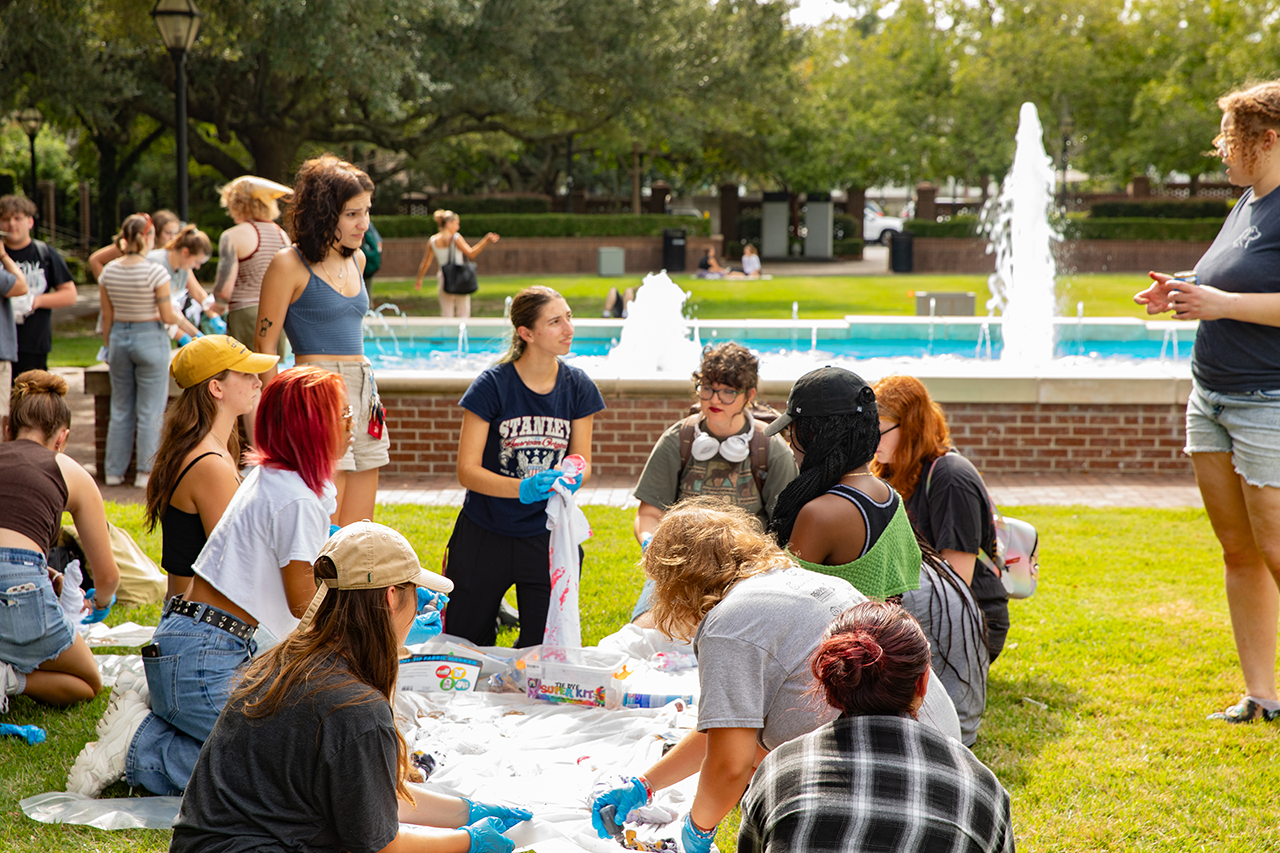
875,784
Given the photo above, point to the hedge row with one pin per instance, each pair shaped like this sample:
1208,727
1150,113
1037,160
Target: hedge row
464,205
548,225
851,247
1149,228
1197,208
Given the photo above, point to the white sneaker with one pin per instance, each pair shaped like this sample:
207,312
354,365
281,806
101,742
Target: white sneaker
114,479
140,481
8,685
101,762
129,681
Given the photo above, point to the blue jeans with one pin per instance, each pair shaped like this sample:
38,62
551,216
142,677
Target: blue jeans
190,682
139,361
33,628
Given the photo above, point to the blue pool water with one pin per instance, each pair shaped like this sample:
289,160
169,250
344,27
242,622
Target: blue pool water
427,350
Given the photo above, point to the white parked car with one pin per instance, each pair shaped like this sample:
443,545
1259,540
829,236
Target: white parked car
876,226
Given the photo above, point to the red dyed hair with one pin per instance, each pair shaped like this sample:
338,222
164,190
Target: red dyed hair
870,661
922,431
299,424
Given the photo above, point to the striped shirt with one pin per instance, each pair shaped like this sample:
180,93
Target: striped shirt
132,290
875,783
251,269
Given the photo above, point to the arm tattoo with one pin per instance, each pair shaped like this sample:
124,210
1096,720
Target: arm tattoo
226,261
266,324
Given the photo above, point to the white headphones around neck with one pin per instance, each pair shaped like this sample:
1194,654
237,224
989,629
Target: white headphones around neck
735,448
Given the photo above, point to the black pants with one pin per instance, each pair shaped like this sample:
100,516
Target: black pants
30,361
993,600
483,565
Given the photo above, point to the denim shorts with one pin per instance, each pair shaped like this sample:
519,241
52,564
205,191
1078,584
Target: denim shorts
33,628
1244,424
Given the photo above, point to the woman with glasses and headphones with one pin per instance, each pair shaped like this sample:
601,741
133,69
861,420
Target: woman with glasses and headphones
718,451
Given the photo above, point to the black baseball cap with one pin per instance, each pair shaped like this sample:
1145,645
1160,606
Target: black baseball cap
820,393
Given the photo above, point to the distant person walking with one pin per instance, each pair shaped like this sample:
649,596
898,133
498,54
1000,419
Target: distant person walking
1235,397
448,246
49,283
246,249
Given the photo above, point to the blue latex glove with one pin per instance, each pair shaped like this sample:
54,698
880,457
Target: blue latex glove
434,600
537,487
694,840
507,817
425,626
632,794
487,837
571,483
645,539
217,324
97,615
334,528
33,734
184,340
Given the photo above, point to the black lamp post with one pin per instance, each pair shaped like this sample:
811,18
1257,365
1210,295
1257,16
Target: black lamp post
1067,127
31,120
178,22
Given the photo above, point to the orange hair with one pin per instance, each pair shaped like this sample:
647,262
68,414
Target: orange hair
922,431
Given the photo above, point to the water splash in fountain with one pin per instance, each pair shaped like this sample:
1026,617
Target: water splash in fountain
1021,237
655,335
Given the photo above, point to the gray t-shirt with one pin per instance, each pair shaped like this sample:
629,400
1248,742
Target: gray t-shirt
660,481
753,652
953,623
314,777
8,332
1233,355
178,278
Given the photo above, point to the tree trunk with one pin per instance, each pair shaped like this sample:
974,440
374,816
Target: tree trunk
274,154
108,208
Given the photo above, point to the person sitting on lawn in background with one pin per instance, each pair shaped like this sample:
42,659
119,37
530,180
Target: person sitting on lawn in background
721,451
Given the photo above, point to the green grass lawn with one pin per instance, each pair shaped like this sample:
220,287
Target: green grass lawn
1095,719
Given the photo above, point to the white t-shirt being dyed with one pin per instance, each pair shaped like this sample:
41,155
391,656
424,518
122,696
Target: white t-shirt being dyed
272,520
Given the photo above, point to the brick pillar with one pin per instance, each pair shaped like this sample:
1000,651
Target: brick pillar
729,219
855,201
927,201
1139,187
660,192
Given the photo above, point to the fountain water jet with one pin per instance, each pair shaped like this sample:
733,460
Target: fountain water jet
1021,237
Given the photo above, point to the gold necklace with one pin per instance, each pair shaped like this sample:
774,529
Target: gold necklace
342,272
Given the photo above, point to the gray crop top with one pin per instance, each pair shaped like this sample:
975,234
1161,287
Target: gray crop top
323,321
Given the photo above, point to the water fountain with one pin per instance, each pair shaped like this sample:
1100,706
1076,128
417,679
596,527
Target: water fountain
654,338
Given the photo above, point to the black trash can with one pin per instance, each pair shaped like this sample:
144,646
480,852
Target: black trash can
674,241
900,252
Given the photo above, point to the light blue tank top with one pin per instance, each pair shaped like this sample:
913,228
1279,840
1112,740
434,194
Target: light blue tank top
323,321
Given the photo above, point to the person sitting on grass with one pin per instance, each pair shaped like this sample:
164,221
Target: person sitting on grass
41,655
875,778
306,755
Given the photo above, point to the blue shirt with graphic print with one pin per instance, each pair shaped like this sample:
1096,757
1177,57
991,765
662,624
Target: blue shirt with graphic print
528,433
1232,356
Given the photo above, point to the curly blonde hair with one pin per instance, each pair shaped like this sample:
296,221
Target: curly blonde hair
701,549
1255,109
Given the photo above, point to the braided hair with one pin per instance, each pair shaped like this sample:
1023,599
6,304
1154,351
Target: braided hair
833,445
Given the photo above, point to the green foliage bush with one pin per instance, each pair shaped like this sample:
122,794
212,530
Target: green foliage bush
956,226
1193,208
848,248
465,205
1142,229
845,227
749,227
548,225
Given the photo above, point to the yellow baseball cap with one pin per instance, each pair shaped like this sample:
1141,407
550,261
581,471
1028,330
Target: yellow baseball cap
207,356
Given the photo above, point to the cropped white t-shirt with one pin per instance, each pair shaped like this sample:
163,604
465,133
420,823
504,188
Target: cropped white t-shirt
272,520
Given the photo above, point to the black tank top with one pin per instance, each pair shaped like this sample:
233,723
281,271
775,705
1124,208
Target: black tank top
182,532
876,516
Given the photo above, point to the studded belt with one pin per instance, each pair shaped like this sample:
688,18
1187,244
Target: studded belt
202,612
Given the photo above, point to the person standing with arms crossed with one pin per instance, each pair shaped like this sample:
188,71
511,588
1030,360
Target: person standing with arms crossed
1235,396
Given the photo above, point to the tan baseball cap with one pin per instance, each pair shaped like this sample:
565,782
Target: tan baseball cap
207,356
369,555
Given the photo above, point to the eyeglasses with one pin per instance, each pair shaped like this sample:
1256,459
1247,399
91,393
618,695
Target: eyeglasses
885,432
726,395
